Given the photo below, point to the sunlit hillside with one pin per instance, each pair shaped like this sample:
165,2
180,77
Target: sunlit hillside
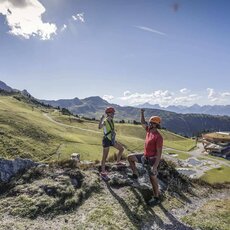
43,134
28,129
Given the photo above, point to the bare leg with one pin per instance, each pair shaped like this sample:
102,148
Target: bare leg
104,157
120,148
155,185
132,159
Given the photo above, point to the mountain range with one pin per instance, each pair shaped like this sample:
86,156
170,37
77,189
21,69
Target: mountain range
189,124
184,124
205,109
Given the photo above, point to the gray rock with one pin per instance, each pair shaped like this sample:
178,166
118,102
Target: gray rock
11,168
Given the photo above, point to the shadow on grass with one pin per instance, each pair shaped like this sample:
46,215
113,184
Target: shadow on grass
136,219
132,216
184,198
175,223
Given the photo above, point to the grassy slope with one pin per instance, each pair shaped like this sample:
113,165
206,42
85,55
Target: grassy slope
218,210
45,198
136,134
180,155
217,175
25,131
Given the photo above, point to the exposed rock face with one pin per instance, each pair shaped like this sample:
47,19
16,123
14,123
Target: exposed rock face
168,177
10,168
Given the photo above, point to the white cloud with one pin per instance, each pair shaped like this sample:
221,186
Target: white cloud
181,100
108,97
225,94
150,30
184,90
212,95
194,96
190,99
79,17
217,97
127,93
24,19
135,97
158,96
162,94
64,27
161,97
211,92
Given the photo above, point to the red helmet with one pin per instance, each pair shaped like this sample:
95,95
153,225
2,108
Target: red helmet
110,110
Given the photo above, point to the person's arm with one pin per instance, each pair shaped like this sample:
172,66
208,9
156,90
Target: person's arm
158,155
101,122
143,122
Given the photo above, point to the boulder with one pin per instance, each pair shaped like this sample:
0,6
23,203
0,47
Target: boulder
11,168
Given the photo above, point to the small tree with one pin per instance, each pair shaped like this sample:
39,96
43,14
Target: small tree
65,111
136,122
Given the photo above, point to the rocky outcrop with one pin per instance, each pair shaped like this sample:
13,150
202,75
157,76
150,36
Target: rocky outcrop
11,168
168,177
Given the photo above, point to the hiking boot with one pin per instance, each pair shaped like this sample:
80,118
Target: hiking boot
104,176
154,201
133,176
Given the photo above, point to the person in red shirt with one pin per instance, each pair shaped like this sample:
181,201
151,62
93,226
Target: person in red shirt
152,154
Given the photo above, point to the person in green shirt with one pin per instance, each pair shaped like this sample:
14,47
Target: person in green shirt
109,139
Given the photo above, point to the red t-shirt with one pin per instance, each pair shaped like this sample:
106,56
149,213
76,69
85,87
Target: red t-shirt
153,141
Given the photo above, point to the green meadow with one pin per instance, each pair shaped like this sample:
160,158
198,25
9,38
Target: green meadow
212,215
45,134
180,155
217,175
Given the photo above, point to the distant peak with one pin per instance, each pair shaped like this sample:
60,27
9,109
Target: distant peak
5,87
25,93
95,100
147,105
196,105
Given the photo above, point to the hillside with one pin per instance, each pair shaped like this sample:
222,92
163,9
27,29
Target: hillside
183,124
190,124
63,196
41,133
58,195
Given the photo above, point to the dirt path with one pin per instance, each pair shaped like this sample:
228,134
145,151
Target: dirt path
70,126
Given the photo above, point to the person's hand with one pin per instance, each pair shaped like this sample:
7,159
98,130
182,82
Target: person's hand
103,116
142,110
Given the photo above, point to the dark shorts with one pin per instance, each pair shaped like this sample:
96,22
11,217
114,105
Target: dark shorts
146,160
106,142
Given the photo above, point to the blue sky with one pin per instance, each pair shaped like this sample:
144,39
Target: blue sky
127,51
